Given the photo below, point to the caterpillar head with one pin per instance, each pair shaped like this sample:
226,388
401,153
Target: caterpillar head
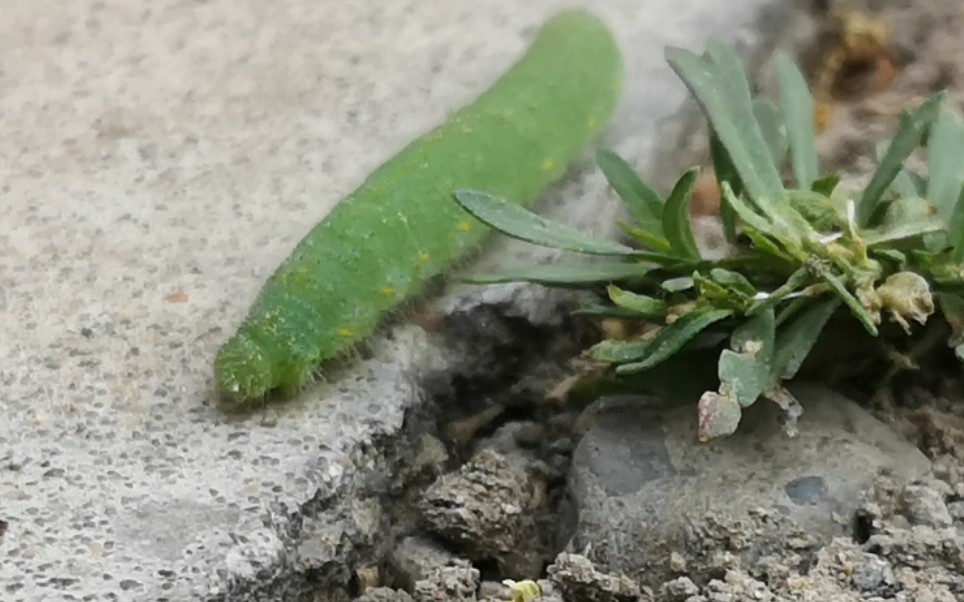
242,371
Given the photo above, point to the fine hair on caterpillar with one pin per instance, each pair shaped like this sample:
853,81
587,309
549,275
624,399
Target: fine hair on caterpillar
402,228
359,350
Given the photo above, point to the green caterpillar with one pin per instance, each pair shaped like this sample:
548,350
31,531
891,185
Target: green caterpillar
402,226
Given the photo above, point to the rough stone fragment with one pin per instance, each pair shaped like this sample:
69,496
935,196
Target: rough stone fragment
384,594
455,582
872,573
487,510
925,506
644,487
679,590
577,579
416,558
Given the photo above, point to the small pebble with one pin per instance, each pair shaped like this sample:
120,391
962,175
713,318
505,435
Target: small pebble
679,590
925,506
872,573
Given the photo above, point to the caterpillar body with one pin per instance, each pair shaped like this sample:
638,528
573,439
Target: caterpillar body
402,226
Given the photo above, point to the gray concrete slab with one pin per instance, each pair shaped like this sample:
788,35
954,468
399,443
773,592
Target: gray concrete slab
157,161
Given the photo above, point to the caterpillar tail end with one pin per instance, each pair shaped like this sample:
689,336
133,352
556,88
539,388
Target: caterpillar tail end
242,372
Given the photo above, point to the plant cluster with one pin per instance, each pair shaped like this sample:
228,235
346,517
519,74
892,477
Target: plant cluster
804,246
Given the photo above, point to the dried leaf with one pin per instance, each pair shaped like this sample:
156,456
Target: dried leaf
719,416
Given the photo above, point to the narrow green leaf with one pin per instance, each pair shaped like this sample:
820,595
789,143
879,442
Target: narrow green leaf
733,280
952,306
914,124
645,238
642,202
945,162
618,352
676,221
796,340
640,304
904,184
858,310
673,337
763,243
513,220
825,185
818,209
747,213
797,280
605,311
903,231
718,82
712,290
790,309
560,274
892,255
797,107
725,172
675,285
955,230
773,129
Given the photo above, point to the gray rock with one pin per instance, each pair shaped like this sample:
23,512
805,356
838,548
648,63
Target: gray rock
956,509
384,594
925,506
679,590
493,590
416,558
457,581
487,510
576,578
872,573
644,487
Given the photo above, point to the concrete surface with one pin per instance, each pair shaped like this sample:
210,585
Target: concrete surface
157,161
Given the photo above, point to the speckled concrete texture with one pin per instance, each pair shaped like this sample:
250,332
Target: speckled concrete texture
157,161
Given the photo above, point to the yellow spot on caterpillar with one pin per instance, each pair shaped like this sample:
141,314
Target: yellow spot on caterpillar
388,292
548,165
464,226
344,332
591,122
423,256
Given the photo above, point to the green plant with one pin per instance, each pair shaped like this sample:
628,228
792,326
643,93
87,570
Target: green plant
805,247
